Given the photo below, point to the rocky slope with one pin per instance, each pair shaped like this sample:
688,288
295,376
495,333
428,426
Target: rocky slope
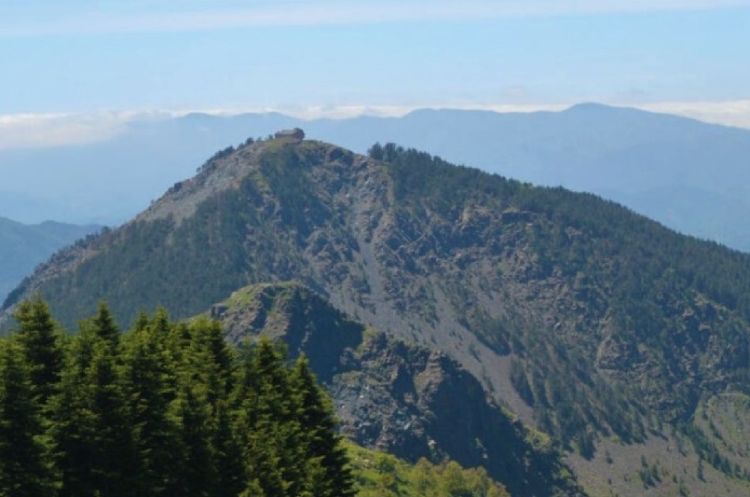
584,319
397,397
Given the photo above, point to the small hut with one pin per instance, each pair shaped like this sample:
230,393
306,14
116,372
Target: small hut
293,134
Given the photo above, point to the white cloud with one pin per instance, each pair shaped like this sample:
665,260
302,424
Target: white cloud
53,129
731,113
341,12
48,130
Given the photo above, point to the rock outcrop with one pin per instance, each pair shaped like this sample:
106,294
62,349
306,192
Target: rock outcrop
397,397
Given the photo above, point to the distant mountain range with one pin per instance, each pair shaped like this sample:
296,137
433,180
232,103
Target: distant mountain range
609,338
691,176
23,246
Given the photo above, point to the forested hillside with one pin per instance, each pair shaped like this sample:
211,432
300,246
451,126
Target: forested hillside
170,409
166,409
23,246
687,174
594,324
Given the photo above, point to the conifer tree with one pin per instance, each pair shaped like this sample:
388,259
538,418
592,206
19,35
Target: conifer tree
227,451
376,151
209,360
72,423
40,342
114,460
141,322
149,380
208,370
104,325
90,428
168,410
274,451
264,420
179,342
329,474
196,459
24,468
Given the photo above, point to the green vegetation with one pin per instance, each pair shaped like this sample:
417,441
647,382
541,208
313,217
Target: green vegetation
390,375
719,427
170,409
710,452
211,249
165,409
24,468
378,474
658,290
617,326
649,474
23,247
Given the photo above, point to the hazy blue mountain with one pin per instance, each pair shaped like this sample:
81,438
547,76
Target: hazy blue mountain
689,175
109,181
22,247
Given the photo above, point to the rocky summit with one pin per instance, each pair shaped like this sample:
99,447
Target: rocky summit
620,339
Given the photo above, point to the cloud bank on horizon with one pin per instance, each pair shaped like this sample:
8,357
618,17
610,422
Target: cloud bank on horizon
76,72
21,131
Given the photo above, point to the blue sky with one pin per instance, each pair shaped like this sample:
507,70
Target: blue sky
308,57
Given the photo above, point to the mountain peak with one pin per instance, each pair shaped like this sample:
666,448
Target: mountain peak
593,107
228,168
528,289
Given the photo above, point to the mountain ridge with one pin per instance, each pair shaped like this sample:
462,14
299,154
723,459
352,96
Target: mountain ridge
652,162
585,319
23,247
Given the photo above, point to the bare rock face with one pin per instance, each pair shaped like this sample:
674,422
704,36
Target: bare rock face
396,397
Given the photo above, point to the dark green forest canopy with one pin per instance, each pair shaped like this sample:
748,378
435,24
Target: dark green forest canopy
654,258
165,409
168,408
627,270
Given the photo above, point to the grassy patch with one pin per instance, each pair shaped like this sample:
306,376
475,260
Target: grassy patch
378,474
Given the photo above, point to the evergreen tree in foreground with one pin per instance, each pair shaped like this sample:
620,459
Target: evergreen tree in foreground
165,410
149,379
41,345
24,468
89,426
323,450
